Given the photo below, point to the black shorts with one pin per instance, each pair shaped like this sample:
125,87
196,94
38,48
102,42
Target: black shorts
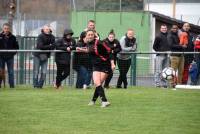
102,68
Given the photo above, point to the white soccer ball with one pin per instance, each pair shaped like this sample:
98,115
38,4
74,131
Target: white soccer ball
168,73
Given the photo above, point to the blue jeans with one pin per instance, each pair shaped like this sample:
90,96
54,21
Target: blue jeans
197,58
39,66
161,62
89,77
84,76
10,67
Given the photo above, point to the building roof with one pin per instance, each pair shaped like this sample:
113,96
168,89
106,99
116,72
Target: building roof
169,20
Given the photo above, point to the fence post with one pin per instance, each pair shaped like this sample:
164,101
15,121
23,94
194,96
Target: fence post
21,61
71,70
133,70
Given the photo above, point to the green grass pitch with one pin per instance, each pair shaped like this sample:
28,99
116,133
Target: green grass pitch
133,111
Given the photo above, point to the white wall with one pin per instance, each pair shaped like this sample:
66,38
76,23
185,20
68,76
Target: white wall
189,12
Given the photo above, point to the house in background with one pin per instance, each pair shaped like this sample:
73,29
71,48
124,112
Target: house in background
186,10
146,25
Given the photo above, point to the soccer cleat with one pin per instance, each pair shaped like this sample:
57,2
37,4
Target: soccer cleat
105,104
91,103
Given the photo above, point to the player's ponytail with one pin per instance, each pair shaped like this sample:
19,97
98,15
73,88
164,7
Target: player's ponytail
111,32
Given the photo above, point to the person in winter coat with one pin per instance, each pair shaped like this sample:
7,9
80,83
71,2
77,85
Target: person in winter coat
116,48
8,42
84,63
45,41
90,26
197,59
176,60
67,44
161,45
193,71
128,44
187,48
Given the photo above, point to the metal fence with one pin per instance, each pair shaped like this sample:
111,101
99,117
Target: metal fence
23,68
141,72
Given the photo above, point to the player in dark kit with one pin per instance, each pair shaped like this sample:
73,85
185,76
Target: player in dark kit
103,64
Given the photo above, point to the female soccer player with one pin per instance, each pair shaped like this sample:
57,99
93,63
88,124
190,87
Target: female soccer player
103,64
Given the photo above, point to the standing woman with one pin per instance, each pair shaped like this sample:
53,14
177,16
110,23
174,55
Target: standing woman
103,64
116,48
84,63
67,44
128,44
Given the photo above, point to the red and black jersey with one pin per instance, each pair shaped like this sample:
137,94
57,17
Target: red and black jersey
115,47
101,53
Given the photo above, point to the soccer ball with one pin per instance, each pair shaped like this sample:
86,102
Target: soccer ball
168,73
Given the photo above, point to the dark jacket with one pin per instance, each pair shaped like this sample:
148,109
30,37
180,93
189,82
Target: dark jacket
160,43
190,48
45,42
82,59
63,44
173,41
8,42
115,47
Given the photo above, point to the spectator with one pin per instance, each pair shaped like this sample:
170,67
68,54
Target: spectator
193,72
8,42
176,60
84,72
45,41
116,48
128,44
67,44
91,26
197,59
162,61
187,48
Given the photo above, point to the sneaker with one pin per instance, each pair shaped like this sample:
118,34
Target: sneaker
105,104
84,86
91,103
54,84
119,87
57,86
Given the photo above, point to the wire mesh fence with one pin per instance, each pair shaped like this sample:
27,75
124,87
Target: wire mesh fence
141,72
